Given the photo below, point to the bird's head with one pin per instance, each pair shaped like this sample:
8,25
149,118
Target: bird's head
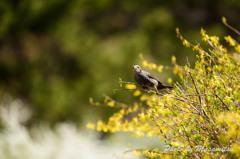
137,69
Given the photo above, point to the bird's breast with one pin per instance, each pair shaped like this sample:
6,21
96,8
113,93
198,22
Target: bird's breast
144,80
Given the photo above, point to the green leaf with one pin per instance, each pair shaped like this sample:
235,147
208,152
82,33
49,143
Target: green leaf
174,114
224,20
120,81
152,117
156,108
174,133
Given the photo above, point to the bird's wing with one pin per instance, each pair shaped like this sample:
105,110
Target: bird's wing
151,76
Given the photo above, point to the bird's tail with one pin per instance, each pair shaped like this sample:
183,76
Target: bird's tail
164,86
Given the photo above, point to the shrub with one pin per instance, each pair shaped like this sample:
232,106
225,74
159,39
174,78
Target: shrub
199,118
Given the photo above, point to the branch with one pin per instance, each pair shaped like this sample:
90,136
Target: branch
230,27
222,101
199,97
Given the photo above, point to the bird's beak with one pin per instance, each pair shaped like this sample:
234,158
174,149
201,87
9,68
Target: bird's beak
134,67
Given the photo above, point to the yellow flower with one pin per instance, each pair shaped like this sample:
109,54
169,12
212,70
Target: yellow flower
160,68
106,100
186,43
111,103
149,103
176,69
154,66
145,64
237,48
230,40
139,133
206,156
91,100
173,60
150,66
137,93
99,125
143,98
130,86
142,117
236,149
129,110
105,128
135,120
222,49
149,134
152,154
90,126
204,35
136,153
135,106
169,80
214,40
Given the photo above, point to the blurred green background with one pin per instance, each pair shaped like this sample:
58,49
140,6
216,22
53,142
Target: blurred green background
56,54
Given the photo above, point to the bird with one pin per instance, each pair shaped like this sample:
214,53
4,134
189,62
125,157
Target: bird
147,80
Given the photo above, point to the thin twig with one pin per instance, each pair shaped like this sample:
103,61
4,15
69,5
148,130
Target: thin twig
232,28
118,104
222,101
126,89
128,82
199,97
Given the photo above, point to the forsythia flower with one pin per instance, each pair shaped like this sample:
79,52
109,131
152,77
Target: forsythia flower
143,98
230,40
130,86
214,40
111,104
136,153
137,93
90,126
152,66
202,109
145,64
160,68
169,80
237,48
173,60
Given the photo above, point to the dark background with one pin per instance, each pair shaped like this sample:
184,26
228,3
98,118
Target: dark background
56,54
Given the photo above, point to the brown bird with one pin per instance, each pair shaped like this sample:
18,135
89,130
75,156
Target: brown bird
146,80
